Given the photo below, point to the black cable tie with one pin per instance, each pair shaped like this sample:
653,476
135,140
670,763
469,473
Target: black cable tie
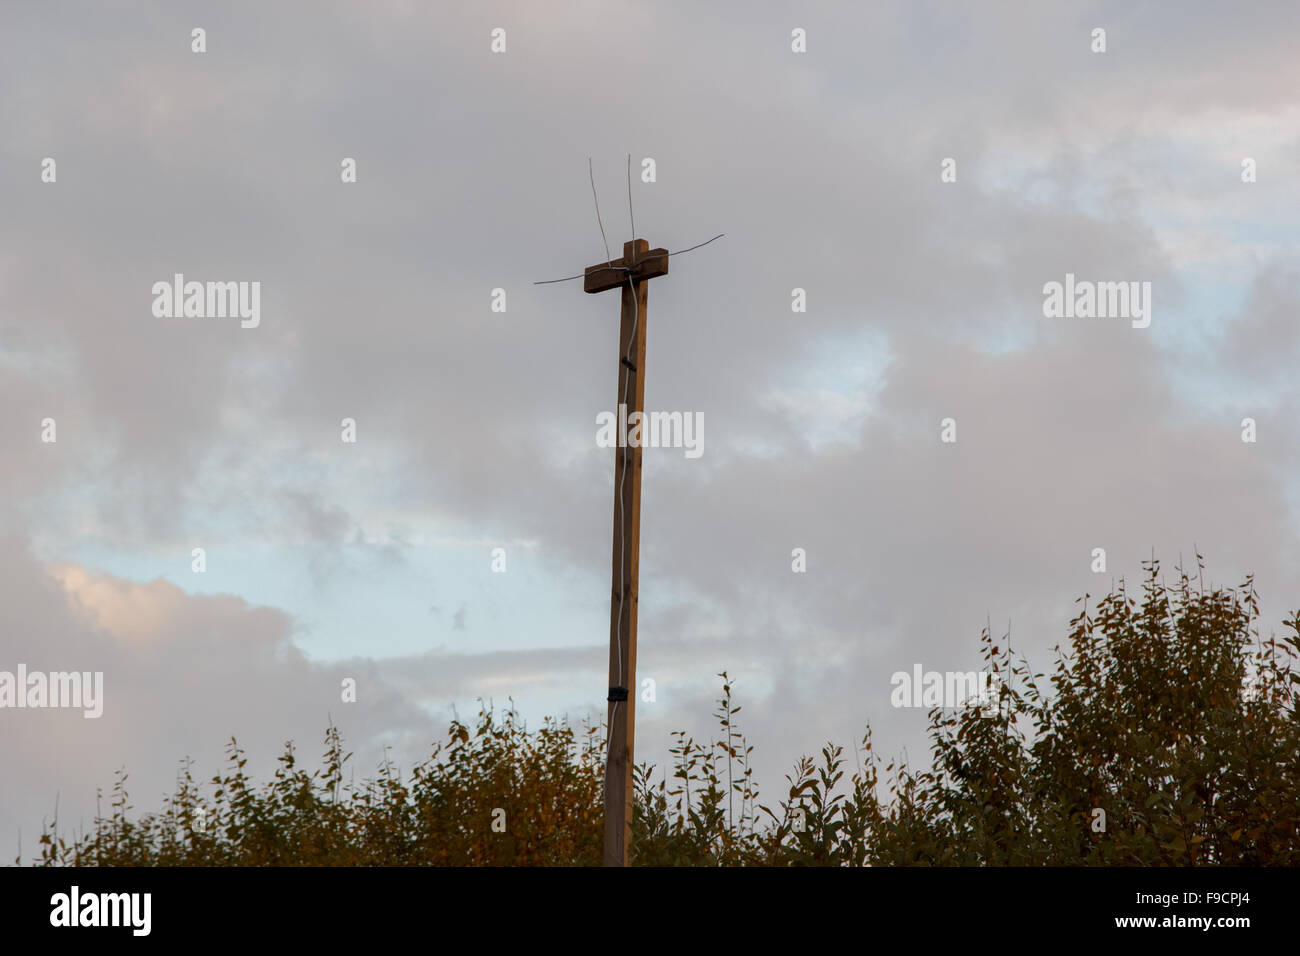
617,694
625,361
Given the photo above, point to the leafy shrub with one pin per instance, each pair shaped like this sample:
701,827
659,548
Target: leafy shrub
1172,717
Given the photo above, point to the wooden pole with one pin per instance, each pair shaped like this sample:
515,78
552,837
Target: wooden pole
631,273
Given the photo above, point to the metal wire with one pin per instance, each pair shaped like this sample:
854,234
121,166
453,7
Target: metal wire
692,248
630,214
624,268
608,257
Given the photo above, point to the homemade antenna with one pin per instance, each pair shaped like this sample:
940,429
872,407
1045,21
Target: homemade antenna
631,273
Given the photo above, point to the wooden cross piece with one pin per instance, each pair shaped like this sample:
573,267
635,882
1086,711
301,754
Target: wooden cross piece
631,273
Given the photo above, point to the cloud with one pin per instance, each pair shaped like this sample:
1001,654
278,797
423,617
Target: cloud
182,674
476,428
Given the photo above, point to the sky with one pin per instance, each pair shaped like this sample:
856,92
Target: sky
476,429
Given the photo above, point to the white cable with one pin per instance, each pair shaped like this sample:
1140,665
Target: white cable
622,527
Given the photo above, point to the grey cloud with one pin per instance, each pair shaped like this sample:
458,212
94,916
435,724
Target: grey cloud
823,173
